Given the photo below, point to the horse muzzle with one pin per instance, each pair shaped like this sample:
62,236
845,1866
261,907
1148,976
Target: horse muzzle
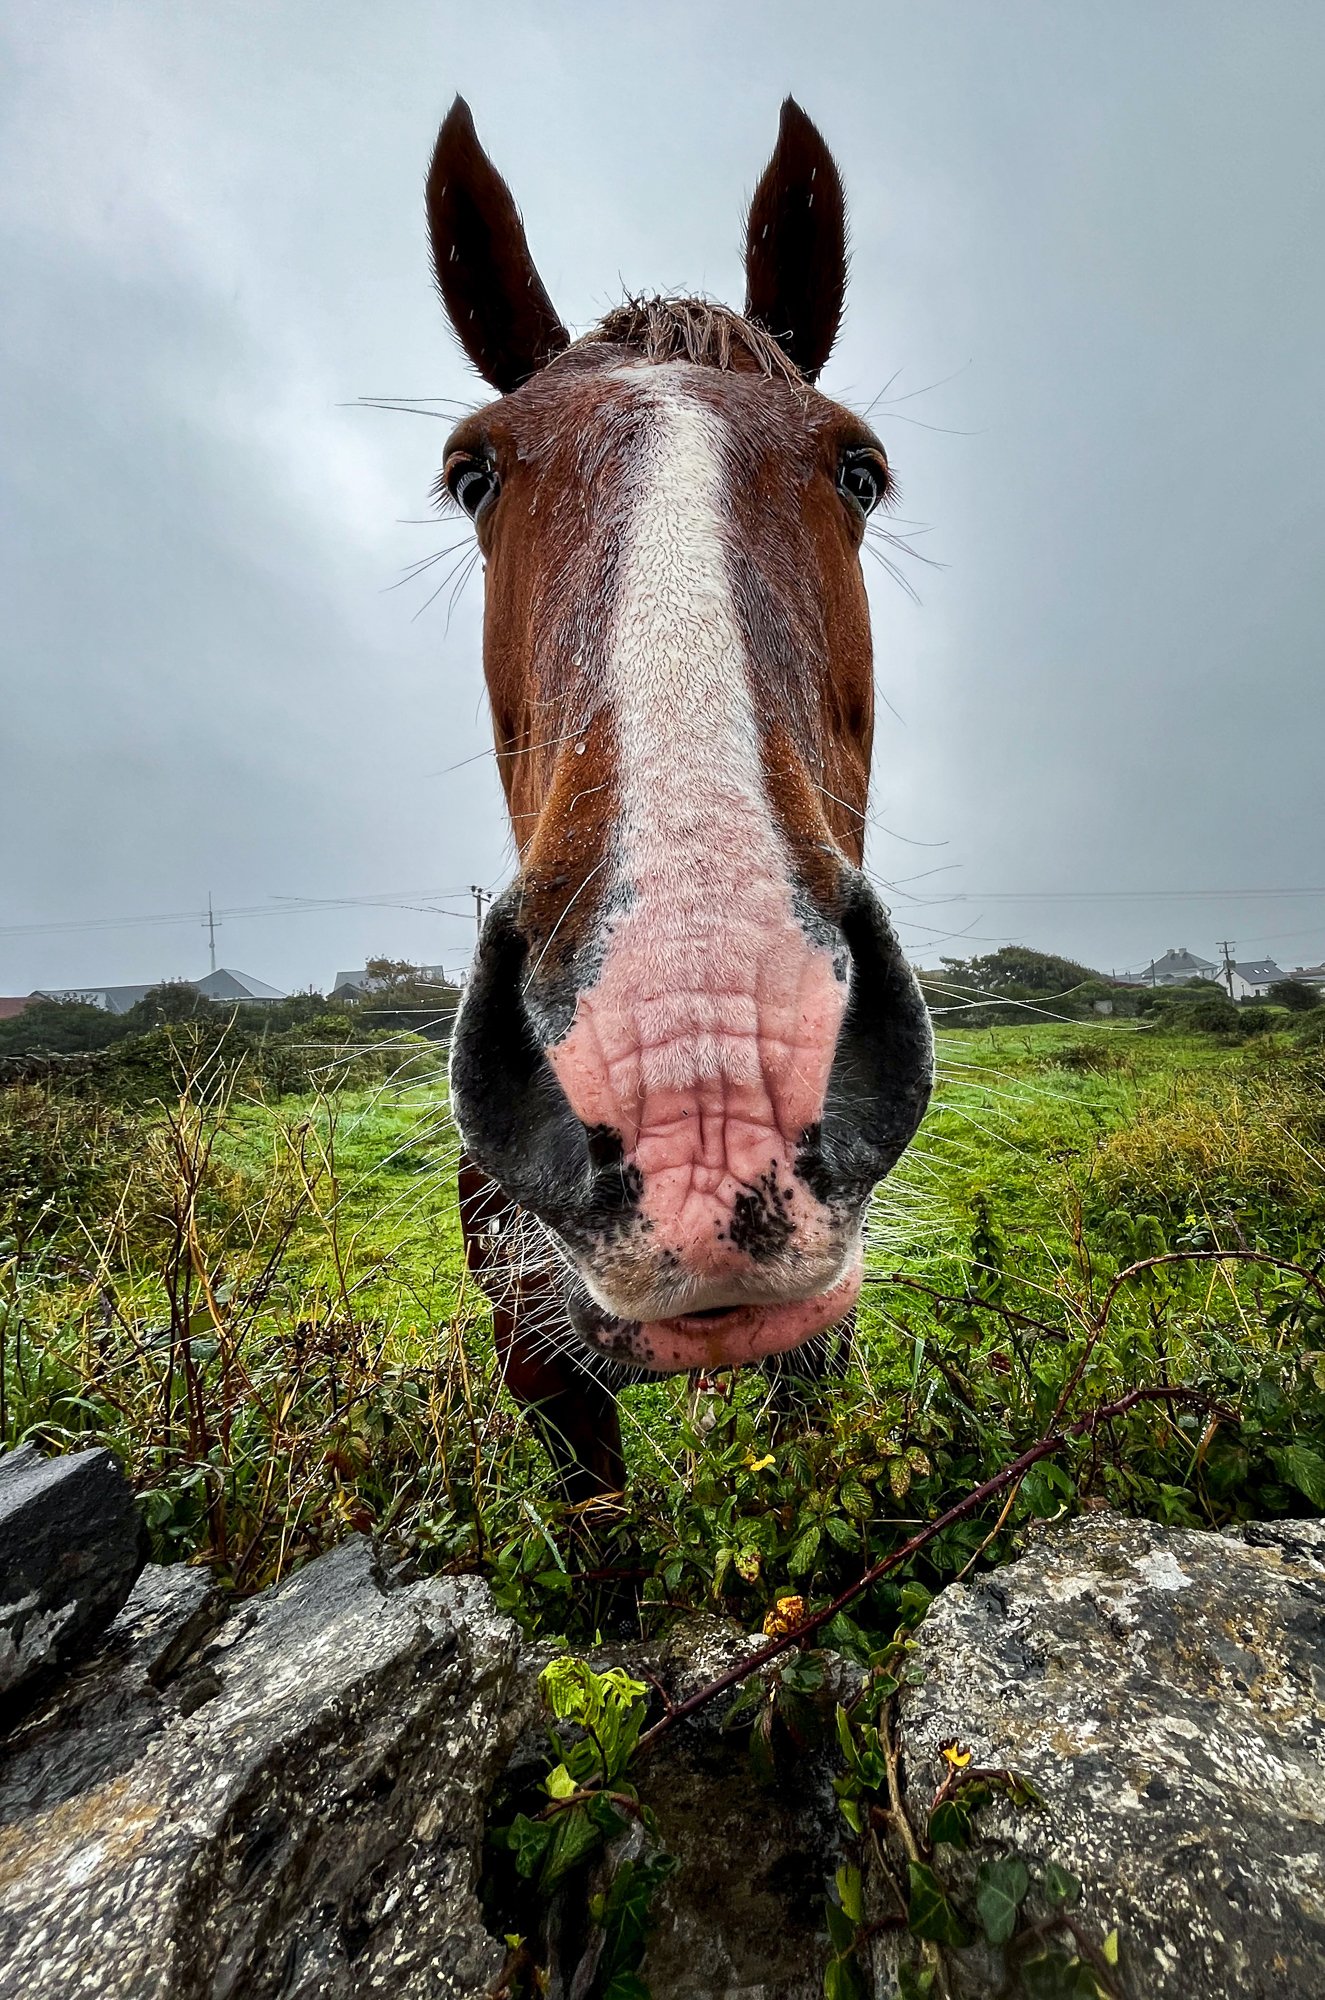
698,1127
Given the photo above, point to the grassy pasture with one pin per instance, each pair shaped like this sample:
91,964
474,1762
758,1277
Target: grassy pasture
260,1302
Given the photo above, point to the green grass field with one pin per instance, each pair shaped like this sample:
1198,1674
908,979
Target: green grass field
262,1306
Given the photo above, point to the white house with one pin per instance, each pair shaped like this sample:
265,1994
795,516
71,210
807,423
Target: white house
1253,978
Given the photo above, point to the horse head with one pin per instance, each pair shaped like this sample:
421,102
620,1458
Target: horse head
690,1045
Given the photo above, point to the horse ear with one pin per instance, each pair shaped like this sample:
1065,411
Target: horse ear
796,244
494,298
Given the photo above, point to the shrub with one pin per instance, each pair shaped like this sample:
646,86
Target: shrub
1259,1020
1205,1013
1295,994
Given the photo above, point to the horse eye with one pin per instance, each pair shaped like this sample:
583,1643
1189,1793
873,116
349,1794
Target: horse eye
471,482
862,479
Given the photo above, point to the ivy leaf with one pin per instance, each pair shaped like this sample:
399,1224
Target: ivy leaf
1060,1885
1000,1890
1053,1976
950,1822
929,1914
528,1840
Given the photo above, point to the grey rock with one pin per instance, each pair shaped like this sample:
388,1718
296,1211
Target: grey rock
288,1797
292,1805
72,1543
1165,1691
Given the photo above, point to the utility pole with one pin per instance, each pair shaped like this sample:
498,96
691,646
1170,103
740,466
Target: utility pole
481,896
1227,946
210,928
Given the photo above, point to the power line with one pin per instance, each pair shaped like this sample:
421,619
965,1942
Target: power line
432,902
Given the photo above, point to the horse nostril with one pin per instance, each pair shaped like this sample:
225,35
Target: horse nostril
882,1072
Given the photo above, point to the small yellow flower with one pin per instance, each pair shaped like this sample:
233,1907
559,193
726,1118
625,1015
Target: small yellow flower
785,1614
753,1464
956,1756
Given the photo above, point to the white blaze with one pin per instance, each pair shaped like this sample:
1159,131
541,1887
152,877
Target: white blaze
697,846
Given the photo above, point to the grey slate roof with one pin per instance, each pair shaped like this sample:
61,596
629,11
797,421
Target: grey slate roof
223,984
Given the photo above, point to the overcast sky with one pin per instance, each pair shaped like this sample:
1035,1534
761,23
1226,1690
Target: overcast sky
1097,229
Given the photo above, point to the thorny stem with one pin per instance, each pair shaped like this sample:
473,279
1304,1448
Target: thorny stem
1011,1476
1044,1447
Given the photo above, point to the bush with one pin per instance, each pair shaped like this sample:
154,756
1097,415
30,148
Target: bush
1259,1020
58,1027
1295,994
1205,1013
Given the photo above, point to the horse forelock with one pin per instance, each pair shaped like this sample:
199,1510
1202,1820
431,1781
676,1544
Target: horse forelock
697,330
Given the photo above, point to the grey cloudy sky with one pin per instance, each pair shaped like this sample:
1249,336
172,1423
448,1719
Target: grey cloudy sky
1099,229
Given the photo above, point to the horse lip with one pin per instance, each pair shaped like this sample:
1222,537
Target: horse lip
728,1338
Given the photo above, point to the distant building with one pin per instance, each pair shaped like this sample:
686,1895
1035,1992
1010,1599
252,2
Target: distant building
13,1006
1177,968
1253,978
224,985
356,985
1310,975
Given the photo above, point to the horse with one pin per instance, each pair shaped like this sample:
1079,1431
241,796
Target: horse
690,1045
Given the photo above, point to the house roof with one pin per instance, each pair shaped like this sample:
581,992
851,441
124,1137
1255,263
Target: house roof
223,984
11,1005
227,984
1258,971
1178,959
358,982
111,999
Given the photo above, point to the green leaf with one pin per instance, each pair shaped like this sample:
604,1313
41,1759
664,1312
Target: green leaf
851,1893
841,1929
528,1840
1060,1885
574,1839
626,1985
929,1914
842,1980
559,1783
915,1982
1022,1793
1054,1976
1000,1890
950,1822
803,1552
1301,1467
803,1675
913,1602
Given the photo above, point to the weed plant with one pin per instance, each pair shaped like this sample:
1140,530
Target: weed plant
260,1303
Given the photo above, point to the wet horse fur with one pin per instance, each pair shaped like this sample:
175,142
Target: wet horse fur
690,1046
